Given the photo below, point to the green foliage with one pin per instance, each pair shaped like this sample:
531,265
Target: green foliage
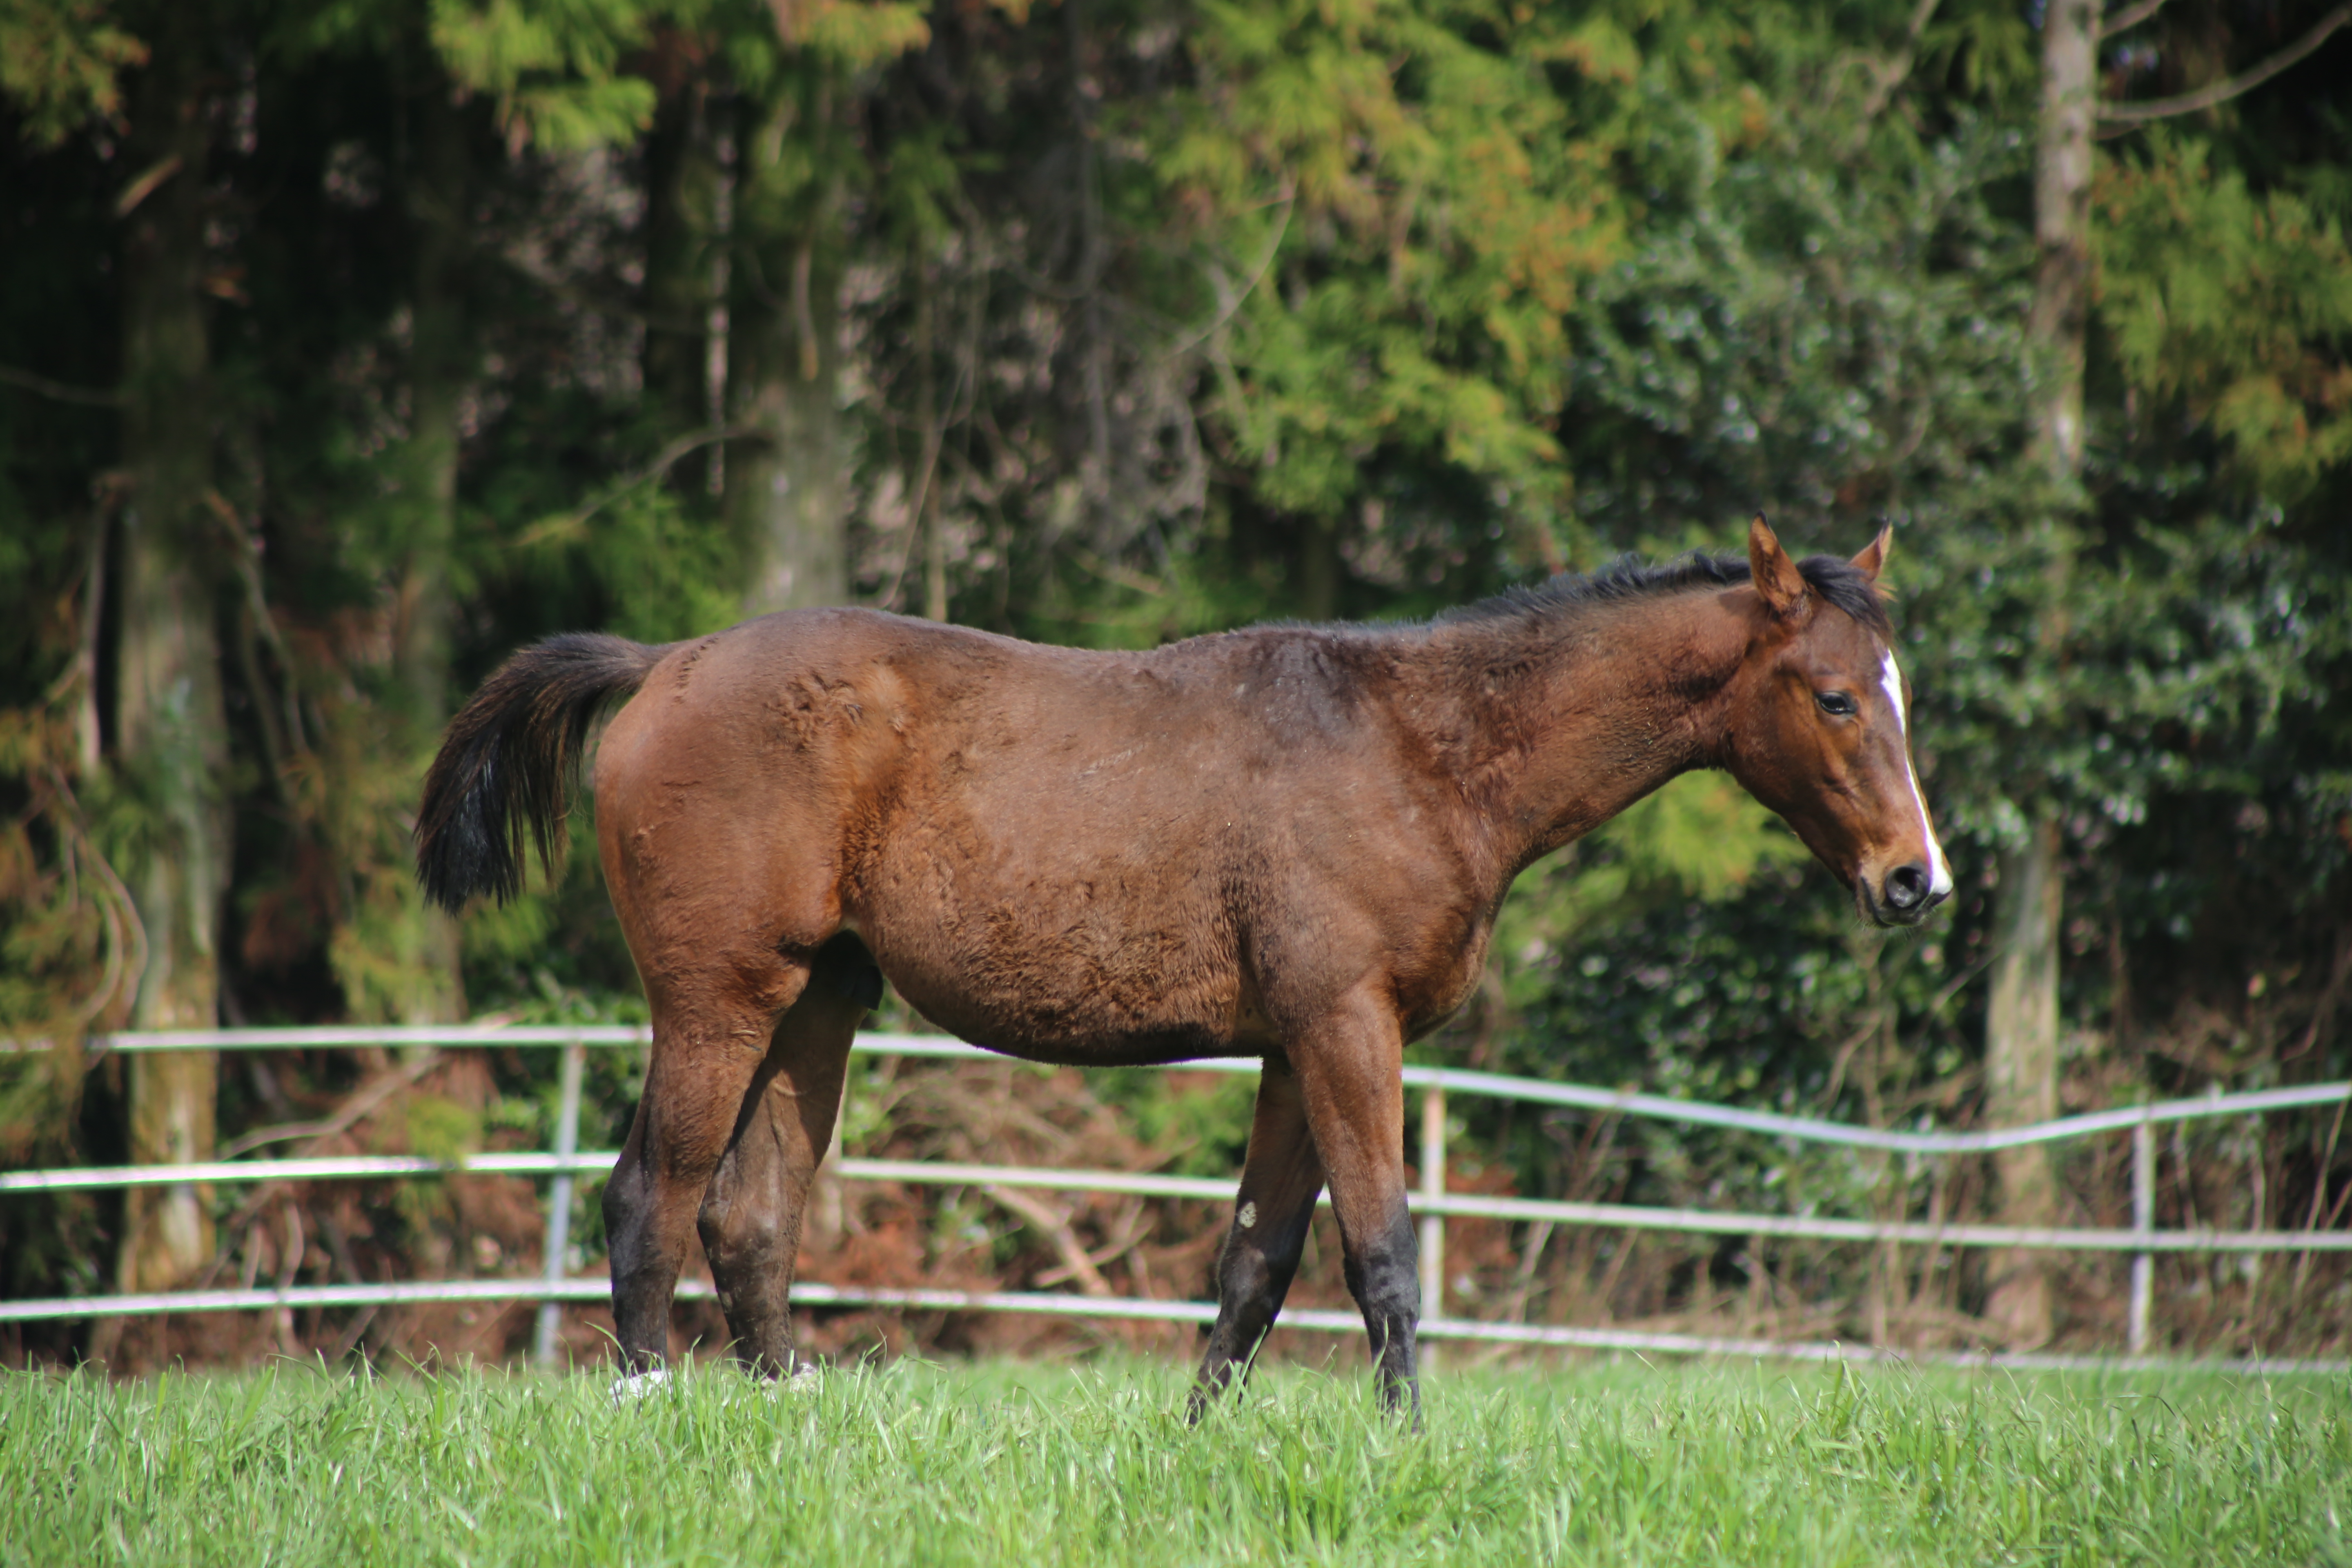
1701,837
1773,998
2231,302
1833,338
1438,205
1204,1121
1223,312
60,61
1818,338
669,570
861,36
1098,605
440,1129
554,66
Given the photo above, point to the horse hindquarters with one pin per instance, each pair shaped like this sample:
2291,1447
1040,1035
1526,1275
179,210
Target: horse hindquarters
712,854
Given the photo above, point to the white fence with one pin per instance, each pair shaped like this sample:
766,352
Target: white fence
1432,1201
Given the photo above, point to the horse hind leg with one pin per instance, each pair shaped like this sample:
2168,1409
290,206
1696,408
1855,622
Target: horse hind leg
752,1211
711,1039
1281,1175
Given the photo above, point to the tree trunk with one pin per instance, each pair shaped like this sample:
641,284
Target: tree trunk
785,487
2022,1076
1319,568
2022,1020
400,956
2062,228
170,725
682,180
926,480
440,368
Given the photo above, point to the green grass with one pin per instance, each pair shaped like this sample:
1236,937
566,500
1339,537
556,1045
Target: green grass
1027,1464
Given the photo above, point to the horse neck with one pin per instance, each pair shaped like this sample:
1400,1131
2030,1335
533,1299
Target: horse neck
1580,710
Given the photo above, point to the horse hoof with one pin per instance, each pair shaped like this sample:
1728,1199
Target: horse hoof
802,1379
630,1390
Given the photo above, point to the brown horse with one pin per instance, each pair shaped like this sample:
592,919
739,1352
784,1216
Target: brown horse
1286,842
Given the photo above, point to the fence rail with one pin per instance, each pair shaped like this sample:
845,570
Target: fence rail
1432,1202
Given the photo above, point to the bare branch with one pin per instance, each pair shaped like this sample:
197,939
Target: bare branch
140,189
1891,73
361,1103
537,272
61,392
565,524
1131,1228
2205,96
281,735
116,908
2130,16
1228,304
1076,1264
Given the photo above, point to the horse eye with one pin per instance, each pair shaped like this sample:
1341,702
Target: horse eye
1838,702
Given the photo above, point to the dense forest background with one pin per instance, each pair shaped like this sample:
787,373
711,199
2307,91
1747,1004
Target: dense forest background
347,344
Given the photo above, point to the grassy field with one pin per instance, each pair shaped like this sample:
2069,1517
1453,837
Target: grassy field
1021,1464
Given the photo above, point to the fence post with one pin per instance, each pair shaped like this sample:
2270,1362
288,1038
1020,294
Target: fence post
1433,1185
2143,1275
559,1200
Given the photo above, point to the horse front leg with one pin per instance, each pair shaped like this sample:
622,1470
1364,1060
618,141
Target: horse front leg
1281,1176
1349,1067
751,1213
710,1041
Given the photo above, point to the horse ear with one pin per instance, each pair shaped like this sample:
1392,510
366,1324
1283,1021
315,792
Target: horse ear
1776,577
1873,559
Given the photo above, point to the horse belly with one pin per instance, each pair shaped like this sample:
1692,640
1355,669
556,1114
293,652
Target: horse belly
1042,949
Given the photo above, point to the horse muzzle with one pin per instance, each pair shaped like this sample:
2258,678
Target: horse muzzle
1902,897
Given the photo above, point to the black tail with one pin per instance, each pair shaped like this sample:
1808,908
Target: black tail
508,762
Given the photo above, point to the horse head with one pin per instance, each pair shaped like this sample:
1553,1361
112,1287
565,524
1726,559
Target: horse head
1820,727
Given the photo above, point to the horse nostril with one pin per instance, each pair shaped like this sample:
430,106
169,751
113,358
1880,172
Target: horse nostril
1907,887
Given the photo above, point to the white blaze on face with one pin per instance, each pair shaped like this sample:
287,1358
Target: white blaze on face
1939,875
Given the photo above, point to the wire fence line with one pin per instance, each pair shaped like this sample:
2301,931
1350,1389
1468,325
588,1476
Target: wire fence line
493,1292
1431,1202
1463,1206
1459,1081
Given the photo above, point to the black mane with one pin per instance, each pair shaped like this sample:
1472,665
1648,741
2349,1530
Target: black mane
1838,581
